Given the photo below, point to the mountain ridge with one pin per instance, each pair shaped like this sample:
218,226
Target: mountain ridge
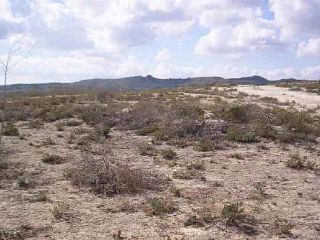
138,83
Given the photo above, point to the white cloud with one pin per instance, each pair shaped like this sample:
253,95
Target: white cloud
276,74
221,13
93,36
116,25
163,55
311,73
310,48
130,67
239,40
9,24
296,17
169,70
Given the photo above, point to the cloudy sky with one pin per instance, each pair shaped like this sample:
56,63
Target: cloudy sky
78,39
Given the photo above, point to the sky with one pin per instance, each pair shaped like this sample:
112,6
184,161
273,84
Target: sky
70,40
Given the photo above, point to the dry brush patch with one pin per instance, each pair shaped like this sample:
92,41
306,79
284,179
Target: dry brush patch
103,177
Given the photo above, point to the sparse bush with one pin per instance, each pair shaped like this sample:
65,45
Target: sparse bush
232,213
241,135
53,159
239,113
9,129
282,227
300,163
176,192
73,123
60,210
23,182
96,114
205,145
80,131
176,120
49,141
147,150
260,188
237,156
295,121
60,127
263,129
104,178
195,221
161,206
37,124
103,129
51,114
169,154
22,232
147,130
184,174
269,100
197,165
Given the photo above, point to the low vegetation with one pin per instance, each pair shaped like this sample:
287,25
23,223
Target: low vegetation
298,162
9,129
161,206
207,157
53,159
169,154
105,178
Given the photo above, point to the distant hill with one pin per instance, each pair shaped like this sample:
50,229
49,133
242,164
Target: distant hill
136,83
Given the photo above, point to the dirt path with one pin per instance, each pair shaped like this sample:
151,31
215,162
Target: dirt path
309,100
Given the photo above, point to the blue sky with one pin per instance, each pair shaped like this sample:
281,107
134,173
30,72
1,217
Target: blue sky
69,40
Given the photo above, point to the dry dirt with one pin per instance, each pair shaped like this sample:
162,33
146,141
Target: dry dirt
230,176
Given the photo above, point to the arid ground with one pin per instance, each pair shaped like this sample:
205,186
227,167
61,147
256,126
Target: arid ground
192,163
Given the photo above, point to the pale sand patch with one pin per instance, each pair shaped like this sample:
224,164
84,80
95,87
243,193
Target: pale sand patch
310,100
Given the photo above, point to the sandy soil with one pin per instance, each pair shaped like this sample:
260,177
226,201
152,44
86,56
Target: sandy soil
290,194
310,100
291,197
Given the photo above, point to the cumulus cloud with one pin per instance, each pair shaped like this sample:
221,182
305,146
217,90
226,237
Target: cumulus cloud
310,48
163,55
296,17
9,23
239,40
122,24
100,35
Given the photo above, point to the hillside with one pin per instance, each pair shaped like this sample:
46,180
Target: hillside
136,83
